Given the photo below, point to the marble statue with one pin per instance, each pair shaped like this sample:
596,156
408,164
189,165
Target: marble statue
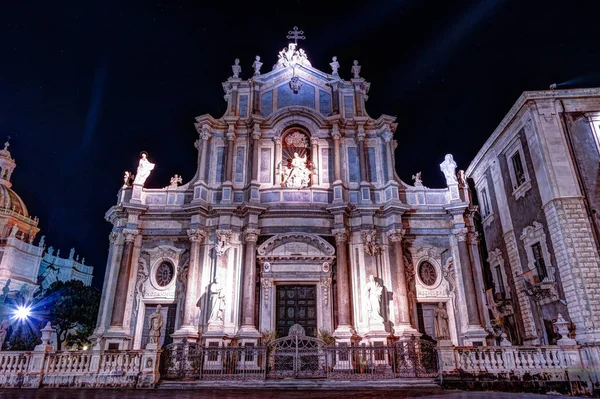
374,291
355,69
448,167
6,288
50,251
257,65
3,331
418,180
58,253
217,302
127,178
175,181
14,231
236,68
222,244
335,65
72,253
442,329
462,182
299,175
156,324
144,169
42,242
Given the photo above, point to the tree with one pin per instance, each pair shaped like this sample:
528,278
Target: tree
72,308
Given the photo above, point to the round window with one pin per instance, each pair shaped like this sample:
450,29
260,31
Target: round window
427,273
164,274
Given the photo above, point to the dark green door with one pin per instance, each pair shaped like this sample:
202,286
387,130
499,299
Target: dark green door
296,304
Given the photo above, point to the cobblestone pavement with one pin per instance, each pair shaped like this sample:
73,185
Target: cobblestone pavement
68,393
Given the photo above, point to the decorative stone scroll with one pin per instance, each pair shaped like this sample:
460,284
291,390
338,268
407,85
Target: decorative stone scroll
266,283
296,139
311,239
325,286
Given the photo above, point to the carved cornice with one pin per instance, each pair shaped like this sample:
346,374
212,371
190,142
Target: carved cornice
130,234
396,235
196,235
341,235
251,235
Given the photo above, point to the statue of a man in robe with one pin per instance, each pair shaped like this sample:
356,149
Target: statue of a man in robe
374,291
144,169
442,329
156,324
217,302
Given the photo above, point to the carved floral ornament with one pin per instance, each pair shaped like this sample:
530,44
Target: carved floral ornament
341,235
196,235
396,235
130,234
251,235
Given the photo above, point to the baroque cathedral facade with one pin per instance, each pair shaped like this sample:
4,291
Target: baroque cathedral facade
295,216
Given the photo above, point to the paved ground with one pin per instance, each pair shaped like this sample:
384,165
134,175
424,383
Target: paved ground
260,394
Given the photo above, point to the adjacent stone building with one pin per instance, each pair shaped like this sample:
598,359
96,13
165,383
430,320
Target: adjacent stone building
25,266
536,183
294,216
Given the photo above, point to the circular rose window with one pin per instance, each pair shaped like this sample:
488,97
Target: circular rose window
164,274
427,273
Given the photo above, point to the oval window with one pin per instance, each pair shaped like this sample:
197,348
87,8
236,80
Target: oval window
164,274
427,273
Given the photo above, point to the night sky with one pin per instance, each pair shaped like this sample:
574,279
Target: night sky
85,86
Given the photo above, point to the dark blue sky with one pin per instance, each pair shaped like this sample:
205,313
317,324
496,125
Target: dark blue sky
85,86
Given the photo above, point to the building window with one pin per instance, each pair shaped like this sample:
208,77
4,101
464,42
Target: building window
427,274
496,262
517,167
540,265
164,274
485,204
538,257
499,283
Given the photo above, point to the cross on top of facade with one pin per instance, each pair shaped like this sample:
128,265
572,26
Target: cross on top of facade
296,35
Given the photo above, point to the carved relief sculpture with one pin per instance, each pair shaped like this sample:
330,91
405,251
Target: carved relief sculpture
222,245
299,175
369,238
144,169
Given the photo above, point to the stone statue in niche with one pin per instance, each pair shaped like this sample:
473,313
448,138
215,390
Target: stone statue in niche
418,180
144,169
355,70
156,324
442,329
335,65
257,65
236,68
374,291
217,302
448,167
299,174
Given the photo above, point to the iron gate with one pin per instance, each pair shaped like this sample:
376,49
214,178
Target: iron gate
297,356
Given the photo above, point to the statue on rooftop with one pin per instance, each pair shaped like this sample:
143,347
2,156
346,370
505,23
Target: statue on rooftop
355,70
175,181
335,65
236,68
144,169
127,178
257,65
448,167
418,180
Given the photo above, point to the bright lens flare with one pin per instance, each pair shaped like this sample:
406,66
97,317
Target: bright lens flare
23,312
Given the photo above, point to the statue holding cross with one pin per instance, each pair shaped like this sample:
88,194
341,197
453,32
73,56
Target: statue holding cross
292,55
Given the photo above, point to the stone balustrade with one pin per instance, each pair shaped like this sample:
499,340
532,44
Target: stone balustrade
556,368
95,369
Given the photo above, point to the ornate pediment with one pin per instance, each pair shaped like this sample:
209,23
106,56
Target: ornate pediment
296,246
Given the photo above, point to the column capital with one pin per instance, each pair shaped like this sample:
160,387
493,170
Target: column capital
396,235
277,140
130,234
360,137
196,235
335,132
256,131
473,237
112,238
387,136
205,133
460,233
251,235
314,141
341,235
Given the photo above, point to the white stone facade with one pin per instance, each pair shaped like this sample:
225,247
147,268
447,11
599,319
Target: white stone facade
295,204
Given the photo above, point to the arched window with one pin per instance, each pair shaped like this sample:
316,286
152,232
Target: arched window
164,274
296,164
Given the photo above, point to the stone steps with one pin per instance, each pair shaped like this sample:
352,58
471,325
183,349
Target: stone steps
303,384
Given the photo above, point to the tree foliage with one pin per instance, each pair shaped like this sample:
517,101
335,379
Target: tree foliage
72,308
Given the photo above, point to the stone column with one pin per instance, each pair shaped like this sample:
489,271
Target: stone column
196,237
249,284
401,288
314,157
336,153
230,154
255,144
118,310
205,136
277,166
344,327
389,153
467,275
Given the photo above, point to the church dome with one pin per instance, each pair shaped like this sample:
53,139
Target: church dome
10,200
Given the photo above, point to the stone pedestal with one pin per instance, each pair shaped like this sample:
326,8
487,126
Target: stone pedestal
149,375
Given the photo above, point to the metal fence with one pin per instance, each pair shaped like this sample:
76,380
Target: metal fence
300,357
